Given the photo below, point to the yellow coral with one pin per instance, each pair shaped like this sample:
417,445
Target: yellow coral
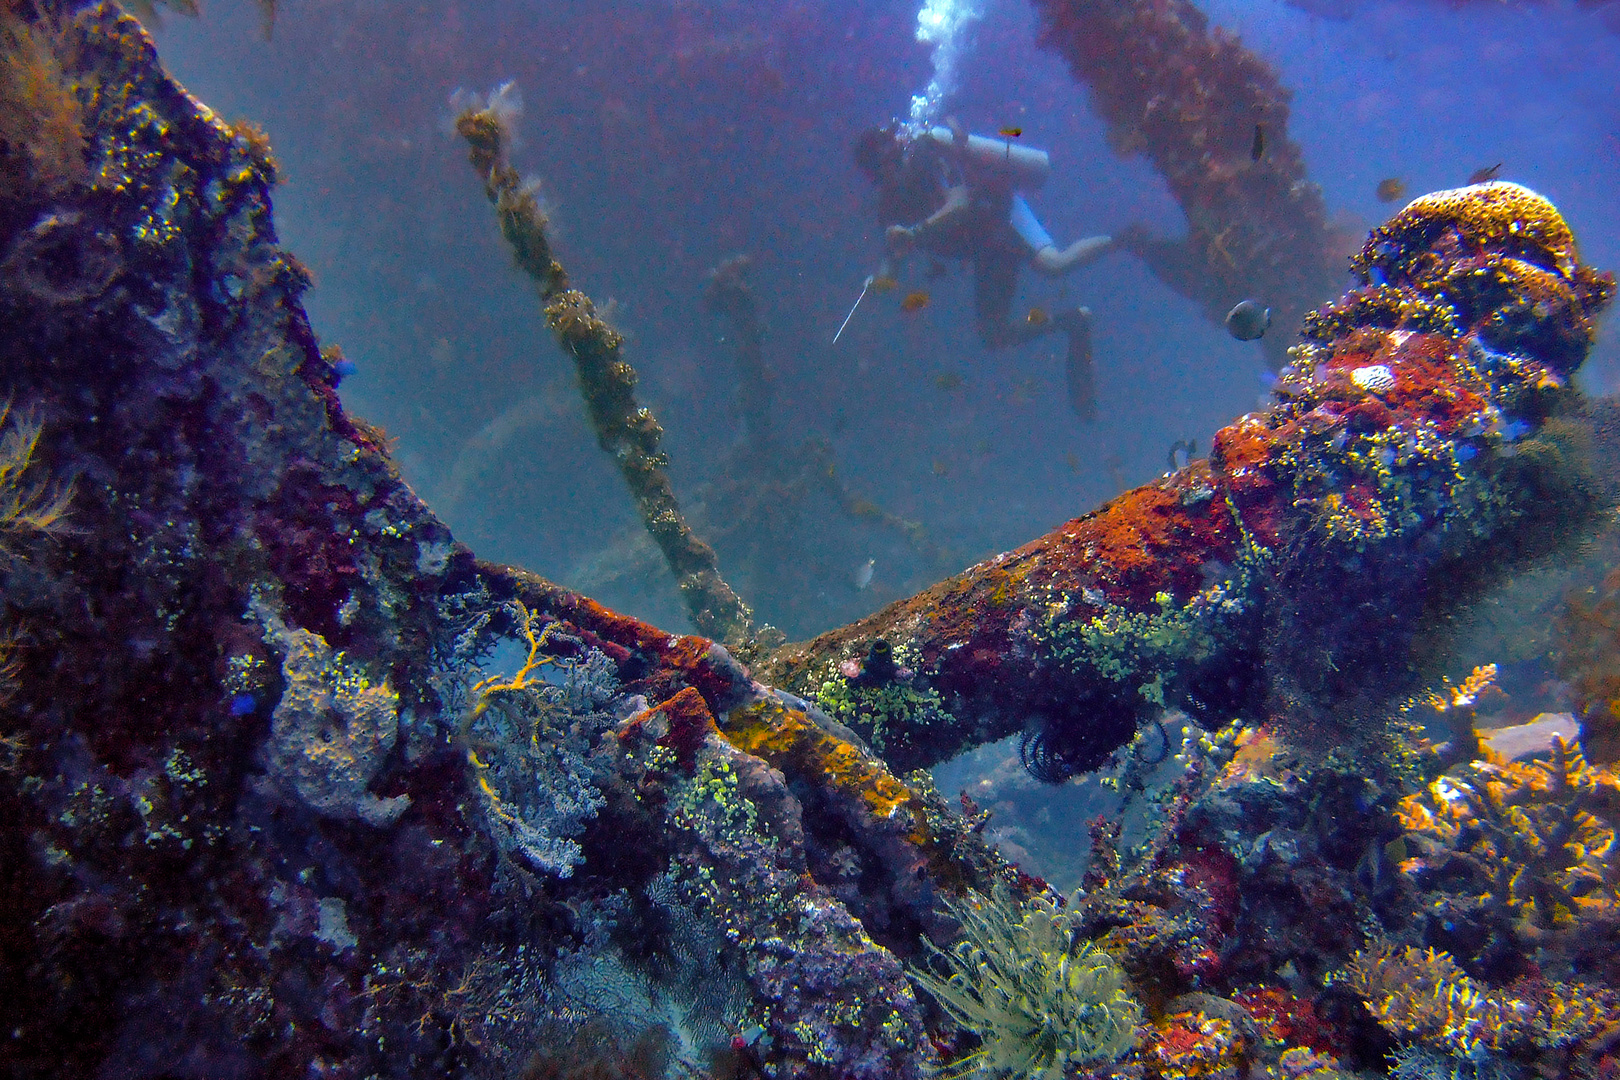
1534,837
29,505
490,690
1466,695
769,730
1423,996
1494,212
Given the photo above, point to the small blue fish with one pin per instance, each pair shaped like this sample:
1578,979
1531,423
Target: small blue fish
1248,321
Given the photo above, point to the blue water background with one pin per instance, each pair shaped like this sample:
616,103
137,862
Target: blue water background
668,136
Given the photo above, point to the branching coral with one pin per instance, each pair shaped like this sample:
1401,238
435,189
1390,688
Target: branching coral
1423,997
30,505
1457,707
1534,839
1038,1001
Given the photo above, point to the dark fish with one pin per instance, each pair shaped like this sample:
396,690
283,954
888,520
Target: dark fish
883,283
1391,189
1485,175
1037,317
1009,132
1181,454
1248,321
1257,149
914,302
949,380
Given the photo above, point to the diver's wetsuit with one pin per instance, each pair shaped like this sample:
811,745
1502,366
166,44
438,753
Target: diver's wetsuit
953,210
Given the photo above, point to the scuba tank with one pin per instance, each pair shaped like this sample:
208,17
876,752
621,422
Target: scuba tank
1026,166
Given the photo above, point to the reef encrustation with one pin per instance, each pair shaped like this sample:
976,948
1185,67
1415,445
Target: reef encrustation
1289,575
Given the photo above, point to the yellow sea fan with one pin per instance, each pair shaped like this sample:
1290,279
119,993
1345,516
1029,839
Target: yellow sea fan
29,505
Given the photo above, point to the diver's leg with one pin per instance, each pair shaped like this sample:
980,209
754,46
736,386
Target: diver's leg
1053,262
1082,386
995,281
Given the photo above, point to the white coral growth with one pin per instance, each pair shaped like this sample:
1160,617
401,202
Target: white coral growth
1376,378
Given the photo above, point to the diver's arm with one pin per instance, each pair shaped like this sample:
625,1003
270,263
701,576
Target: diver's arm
1051,260
956,200
903,238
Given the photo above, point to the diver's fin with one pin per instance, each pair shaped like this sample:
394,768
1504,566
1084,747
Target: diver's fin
1082,386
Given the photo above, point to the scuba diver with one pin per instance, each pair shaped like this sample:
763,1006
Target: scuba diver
956,196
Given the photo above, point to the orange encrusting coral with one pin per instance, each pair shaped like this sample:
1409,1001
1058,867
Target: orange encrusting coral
1191,1046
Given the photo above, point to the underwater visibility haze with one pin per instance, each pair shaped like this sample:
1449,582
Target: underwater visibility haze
811,539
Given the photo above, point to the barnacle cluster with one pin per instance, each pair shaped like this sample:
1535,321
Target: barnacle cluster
1038,1001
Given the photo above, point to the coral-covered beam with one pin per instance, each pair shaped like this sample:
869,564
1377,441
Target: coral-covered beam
623,427
1413,451
1212,117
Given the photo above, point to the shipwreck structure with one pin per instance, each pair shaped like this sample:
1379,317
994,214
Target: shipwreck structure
294,784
